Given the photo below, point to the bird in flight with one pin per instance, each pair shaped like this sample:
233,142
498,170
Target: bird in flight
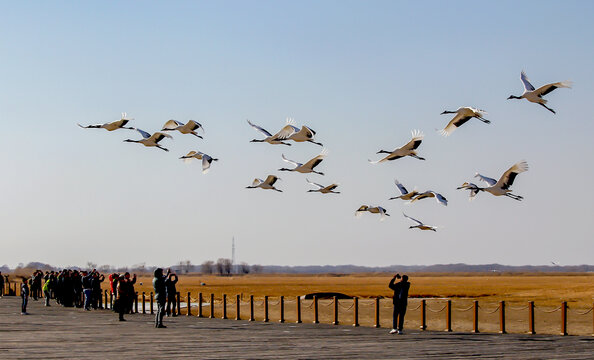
275,139
323,189
308,167
535,95
405,195
189,128
431,194
499,187
419,225
265,184
291,132
206,159
463,114
111,126
407,150
150,140
372,209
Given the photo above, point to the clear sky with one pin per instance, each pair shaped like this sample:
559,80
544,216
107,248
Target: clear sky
363,74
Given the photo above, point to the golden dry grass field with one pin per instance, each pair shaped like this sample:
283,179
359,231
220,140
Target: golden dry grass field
547,292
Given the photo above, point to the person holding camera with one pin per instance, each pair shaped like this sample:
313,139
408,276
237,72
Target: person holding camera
400,300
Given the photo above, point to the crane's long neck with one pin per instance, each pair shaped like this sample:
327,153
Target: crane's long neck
130,140
448,112
384,152
514,97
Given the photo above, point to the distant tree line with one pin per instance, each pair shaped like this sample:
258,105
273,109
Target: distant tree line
224,267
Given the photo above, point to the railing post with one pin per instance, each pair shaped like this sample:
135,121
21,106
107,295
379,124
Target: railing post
282,309
211,306
449,316
178,303
199,305
266,308
423,315
238,307
111,300
475,326
315,303
355,311
143,303
531,318
377,312
252,308
224,310
593,319
100,299
335,322
105,299
564,318
189,308
152,310
136,302
298,309
502,317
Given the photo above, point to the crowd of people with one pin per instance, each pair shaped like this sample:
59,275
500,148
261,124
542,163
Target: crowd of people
83,289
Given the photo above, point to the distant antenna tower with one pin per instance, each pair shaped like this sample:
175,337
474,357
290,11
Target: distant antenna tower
233,255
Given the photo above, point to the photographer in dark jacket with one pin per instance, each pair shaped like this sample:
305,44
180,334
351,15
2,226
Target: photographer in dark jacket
160,295
400,301
171,292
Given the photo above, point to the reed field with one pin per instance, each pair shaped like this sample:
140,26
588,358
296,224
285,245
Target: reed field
547,292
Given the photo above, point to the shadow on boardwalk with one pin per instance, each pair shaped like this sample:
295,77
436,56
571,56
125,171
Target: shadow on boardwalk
56,332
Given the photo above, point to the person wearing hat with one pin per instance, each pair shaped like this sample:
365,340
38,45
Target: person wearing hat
121,296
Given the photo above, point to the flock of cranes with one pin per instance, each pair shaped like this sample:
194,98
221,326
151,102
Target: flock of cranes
290,132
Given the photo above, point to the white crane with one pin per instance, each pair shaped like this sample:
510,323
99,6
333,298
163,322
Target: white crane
206,159
188,128
150,140
535,95
275,139
473,188
420,225
323,189
406,150
308,167
431,194
463,114
111,126
372,209
405,194
265,184
501,187
291,132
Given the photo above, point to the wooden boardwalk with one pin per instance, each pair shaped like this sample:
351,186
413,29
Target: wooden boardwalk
58,333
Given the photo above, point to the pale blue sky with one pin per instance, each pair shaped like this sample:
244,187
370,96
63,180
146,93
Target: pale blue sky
362,74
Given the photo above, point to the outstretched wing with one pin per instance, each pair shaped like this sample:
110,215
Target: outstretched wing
315,161
545,89
456,122
144,133
400,187
195,125
285,132
158,136
527,85
257,182
488,180
413,219
206,160
295,163
259,129
417,138
508,177
171,125
314,184
270,180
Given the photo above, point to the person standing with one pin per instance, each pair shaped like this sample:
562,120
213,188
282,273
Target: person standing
24,296
46,290
160,295
171,294
87,285
121,297
400,300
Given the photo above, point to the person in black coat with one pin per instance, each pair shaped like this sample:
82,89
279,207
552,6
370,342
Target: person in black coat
160,295
400,301
171,294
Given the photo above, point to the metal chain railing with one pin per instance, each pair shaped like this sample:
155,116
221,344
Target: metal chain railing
491,312
548,311
463,310
437,311
584,312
